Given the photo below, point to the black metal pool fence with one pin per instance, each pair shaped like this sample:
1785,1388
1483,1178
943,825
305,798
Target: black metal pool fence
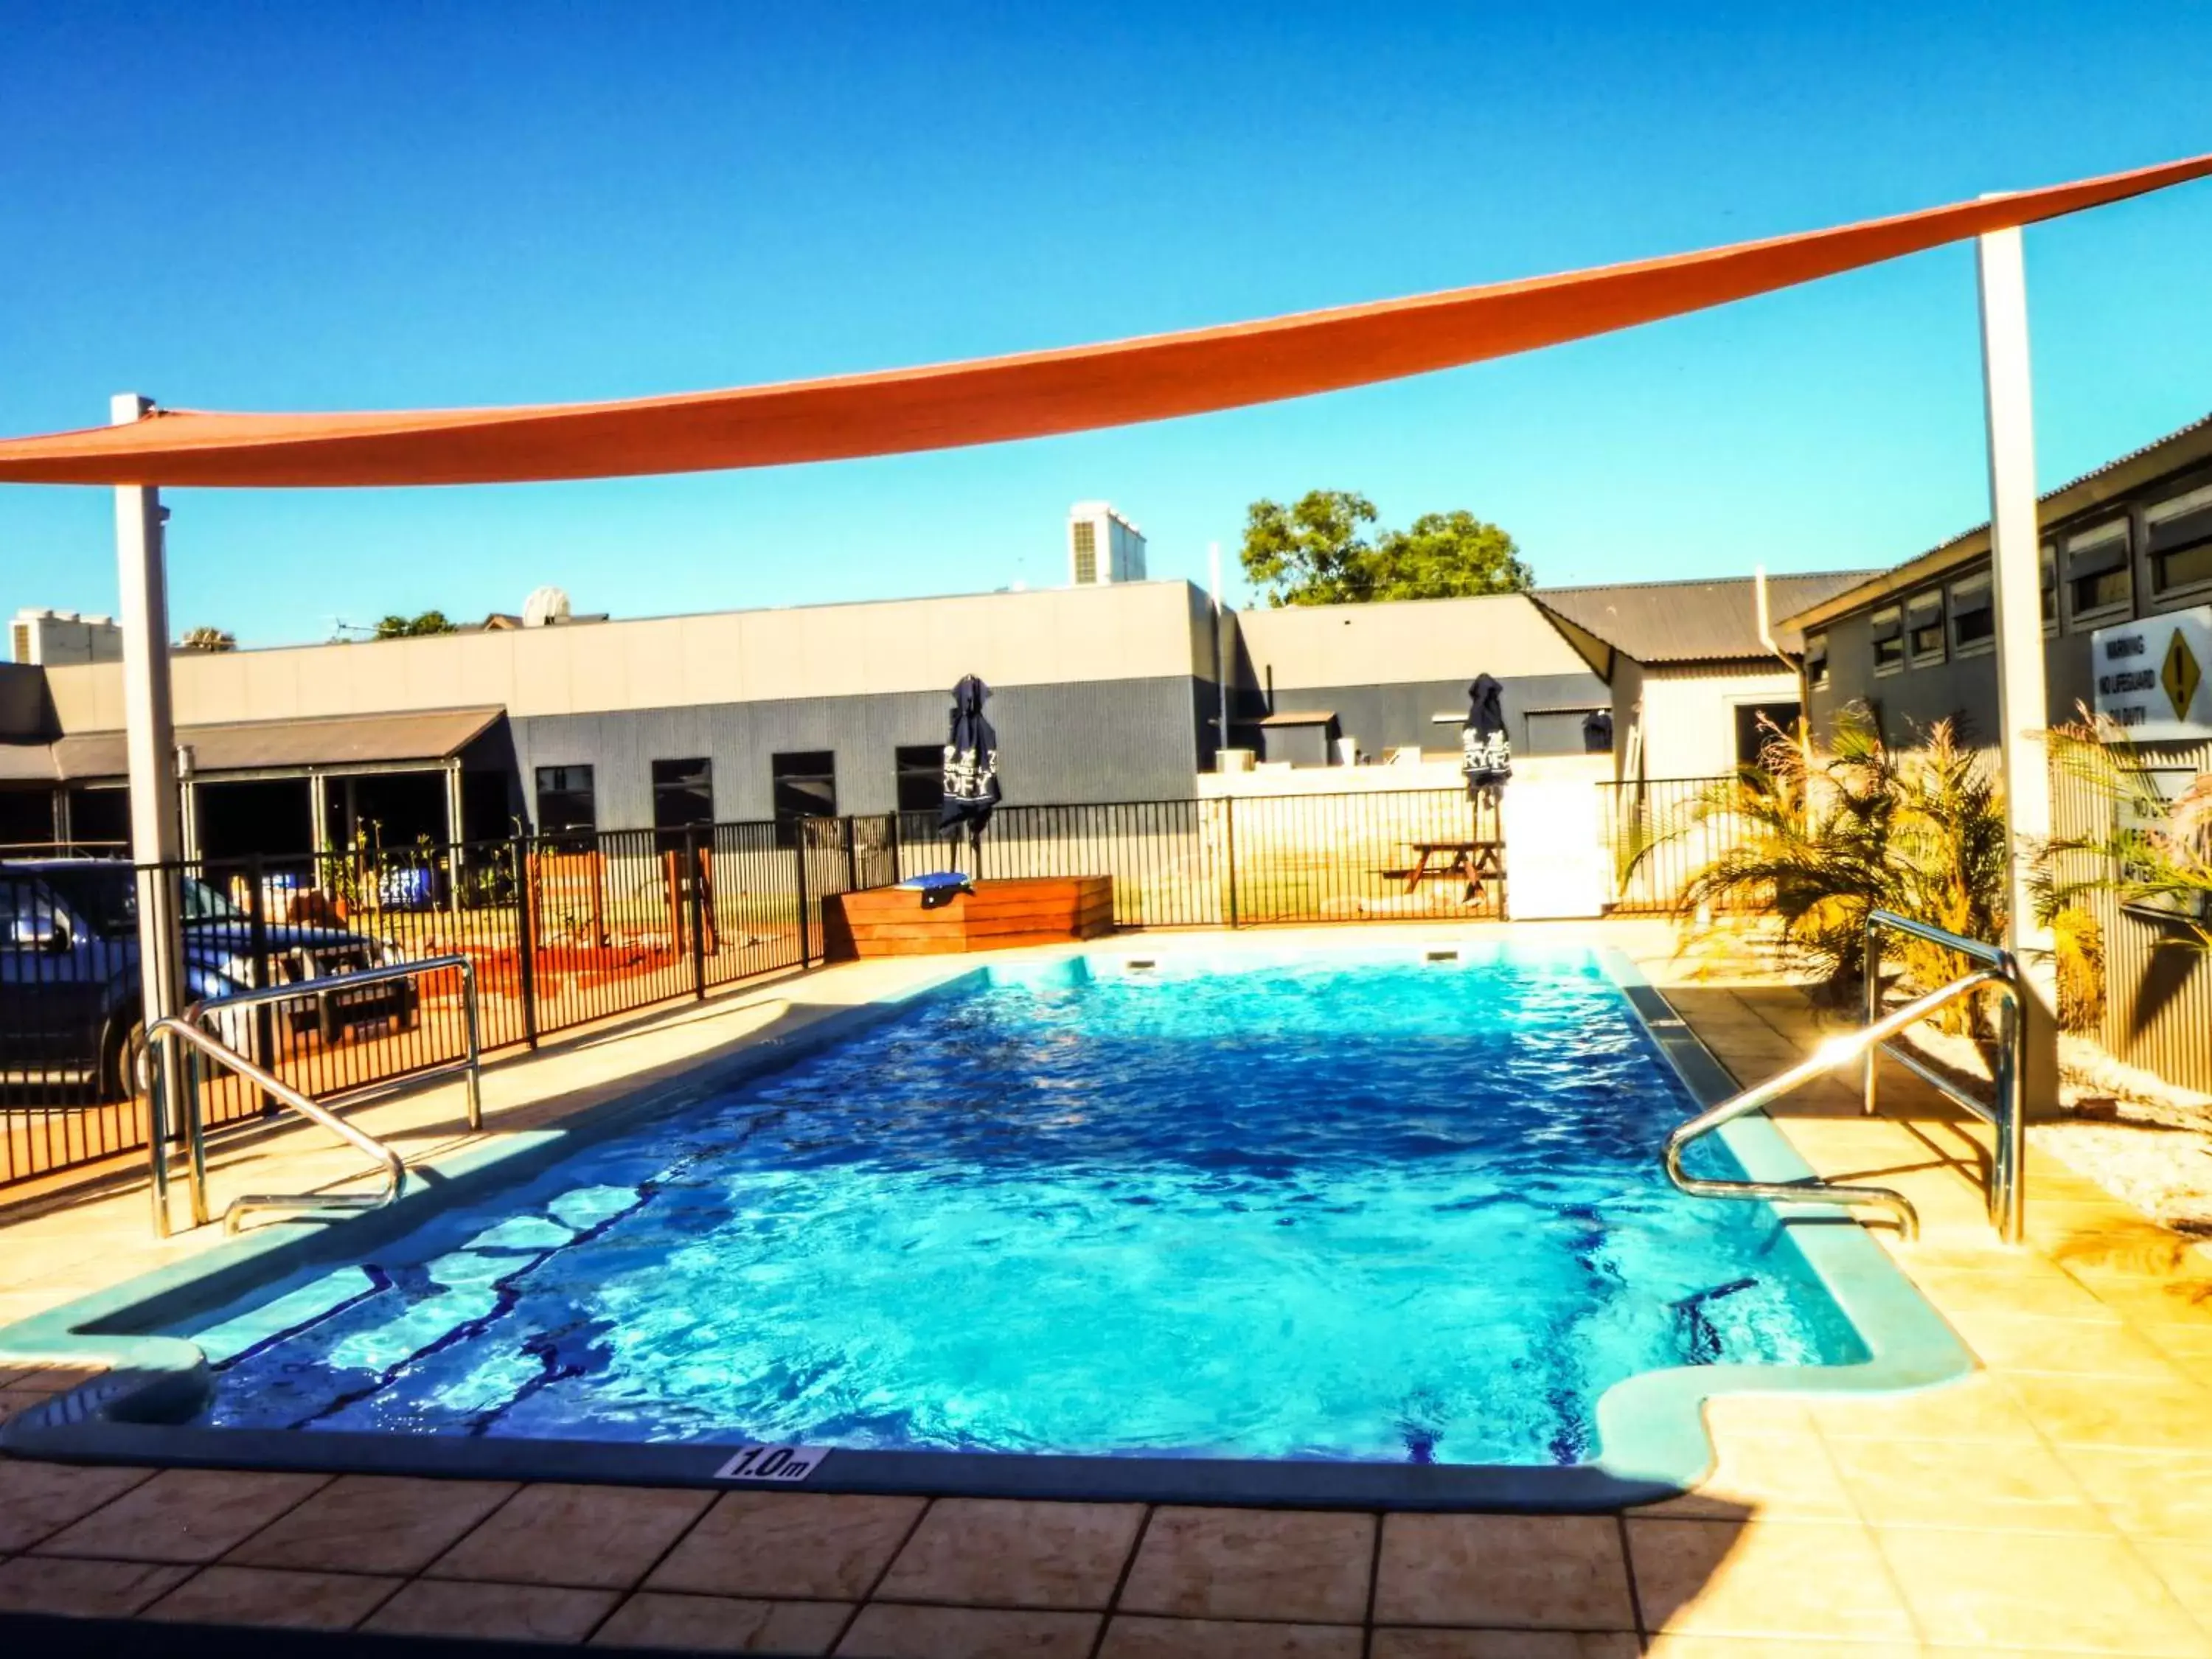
566,930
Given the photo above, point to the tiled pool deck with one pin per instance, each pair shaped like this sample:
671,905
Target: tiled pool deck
2059,1501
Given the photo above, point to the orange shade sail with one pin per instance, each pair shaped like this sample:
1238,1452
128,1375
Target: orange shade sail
1029,395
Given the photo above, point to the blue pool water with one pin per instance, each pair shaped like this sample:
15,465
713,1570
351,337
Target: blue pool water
1328,1209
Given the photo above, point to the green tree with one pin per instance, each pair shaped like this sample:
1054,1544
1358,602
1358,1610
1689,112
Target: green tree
396,627
1315,552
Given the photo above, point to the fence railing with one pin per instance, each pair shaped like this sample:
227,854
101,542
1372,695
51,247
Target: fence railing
1658,834
566,930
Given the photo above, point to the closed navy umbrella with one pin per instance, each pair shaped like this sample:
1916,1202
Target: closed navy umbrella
1486,755
972,762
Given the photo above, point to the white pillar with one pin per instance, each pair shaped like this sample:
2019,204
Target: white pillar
150,742
2023,711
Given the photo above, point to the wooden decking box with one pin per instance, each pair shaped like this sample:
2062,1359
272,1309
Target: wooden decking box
890,922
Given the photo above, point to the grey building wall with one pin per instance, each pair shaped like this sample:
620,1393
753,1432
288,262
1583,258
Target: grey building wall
1132,739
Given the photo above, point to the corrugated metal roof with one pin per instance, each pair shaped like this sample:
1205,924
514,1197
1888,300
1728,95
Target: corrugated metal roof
2182,446
1691,621
339,741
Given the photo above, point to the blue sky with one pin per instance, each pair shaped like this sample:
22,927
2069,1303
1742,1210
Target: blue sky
395,204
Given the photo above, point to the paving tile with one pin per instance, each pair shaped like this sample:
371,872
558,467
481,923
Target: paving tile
596,1537
2186,1570
83,1589
720,1624
1674,1645
2034,1342
521,1613
890,1630
1294,1566
1925,1483
39,1498
2115,1410
2147,1494
2050,1293
1130,1637
372,1523
1548,1571
223,1594
184,1514
1504,1644
2034,1590
1773,1475
1974,1408
1757,1413
997,1553
1809,1579
825,1546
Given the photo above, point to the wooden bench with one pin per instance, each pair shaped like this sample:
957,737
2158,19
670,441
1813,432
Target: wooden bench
996,915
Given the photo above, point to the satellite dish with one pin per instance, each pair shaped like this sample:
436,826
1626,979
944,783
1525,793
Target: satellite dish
545,606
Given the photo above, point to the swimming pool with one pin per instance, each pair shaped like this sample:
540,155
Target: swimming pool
1351,1211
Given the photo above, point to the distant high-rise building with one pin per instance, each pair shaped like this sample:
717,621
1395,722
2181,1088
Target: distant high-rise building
1103,546
56,638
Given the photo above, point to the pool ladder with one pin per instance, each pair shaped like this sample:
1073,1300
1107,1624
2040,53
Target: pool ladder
189,1029
2005,1112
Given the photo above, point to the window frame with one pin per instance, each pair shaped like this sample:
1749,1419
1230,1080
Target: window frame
2094,540
907,768
665,789
2046,590
1892,618
1923,612
781,780
1985,581
564,785
2184,504
1816,651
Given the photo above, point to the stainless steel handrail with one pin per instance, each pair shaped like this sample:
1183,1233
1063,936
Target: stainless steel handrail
189,1027
2006,1188
2005,1112
394,1167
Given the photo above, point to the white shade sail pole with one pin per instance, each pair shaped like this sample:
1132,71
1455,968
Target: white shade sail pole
2016,592
150,741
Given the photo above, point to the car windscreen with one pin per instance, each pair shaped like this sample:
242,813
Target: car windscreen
105,897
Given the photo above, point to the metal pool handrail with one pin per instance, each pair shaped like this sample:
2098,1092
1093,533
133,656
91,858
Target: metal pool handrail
2006,1111
1871,1040
187,1027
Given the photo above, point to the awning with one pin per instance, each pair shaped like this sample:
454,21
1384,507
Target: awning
428,739
1309,717
1032,394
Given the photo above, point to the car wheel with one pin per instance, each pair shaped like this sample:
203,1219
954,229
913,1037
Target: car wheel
127,1052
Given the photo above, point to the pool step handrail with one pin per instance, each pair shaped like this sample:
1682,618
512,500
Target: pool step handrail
190,1027
1866,1044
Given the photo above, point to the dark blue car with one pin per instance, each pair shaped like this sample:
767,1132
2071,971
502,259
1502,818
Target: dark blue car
71,1020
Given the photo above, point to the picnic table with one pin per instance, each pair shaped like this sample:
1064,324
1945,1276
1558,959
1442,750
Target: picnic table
1478,863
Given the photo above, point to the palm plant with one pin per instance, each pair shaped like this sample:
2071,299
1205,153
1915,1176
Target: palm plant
1822,839
2146,850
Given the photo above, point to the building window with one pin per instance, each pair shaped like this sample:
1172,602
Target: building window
2180,533
1759,726
682,793
1973,619
1888,640
2097,578
1816,660
805,785
566,802
920,769
2049,597
1562,732
1086,552
1924,628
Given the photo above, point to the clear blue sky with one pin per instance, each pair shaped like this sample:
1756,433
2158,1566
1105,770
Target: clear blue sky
392,205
